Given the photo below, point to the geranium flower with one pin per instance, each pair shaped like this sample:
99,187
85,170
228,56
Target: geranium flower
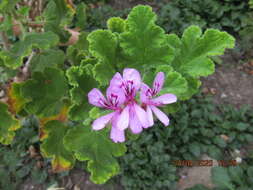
132,115
115,98
150,102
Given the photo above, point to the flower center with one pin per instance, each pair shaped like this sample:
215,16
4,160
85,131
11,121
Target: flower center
114,100
155,89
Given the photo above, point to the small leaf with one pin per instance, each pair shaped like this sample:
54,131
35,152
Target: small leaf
116,24
81,16
237,175
221,178
195,149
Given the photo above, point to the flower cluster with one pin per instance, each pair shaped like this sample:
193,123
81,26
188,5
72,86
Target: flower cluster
120,97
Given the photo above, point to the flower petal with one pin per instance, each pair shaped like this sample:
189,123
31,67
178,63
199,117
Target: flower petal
101,122
145,93
158,82
160,115
96,98
132,75
141,115
117,135
115,95
135,124
165,99
116,80
150,116
123,119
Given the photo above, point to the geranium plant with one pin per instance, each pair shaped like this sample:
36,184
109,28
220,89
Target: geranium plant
61,84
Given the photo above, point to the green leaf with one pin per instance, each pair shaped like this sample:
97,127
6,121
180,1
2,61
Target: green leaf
214,152
116,24
96,148
81,78
241,126
103,73
81,16
7,6
8,125
57,15
48,58
219,141
236,174
174,82
196,48
198,187
102,45
143,41
45,92
221,178
250,171
23,48
15,100
52,146
78,51
195,149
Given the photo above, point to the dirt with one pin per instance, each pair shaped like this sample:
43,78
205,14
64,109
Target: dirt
231,83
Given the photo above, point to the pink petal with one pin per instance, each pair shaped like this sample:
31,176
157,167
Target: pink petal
117,135
158,82
101,122
135,124
123,119
115,95
141,115
116,80
96,98
132,75
160,115
145,93
150,116
165,99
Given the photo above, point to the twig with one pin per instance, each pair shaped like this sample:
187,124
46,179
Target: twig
25,68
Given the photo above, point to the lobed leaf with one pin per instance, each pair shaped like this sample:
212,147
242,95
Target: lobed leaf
81,78
45,92
52,147
96,148
14,57
8,125
143,41
48,58
15,100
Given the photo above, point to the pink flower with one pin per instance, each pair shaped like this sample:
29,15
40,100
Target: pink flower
115,98
147,98
132,115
